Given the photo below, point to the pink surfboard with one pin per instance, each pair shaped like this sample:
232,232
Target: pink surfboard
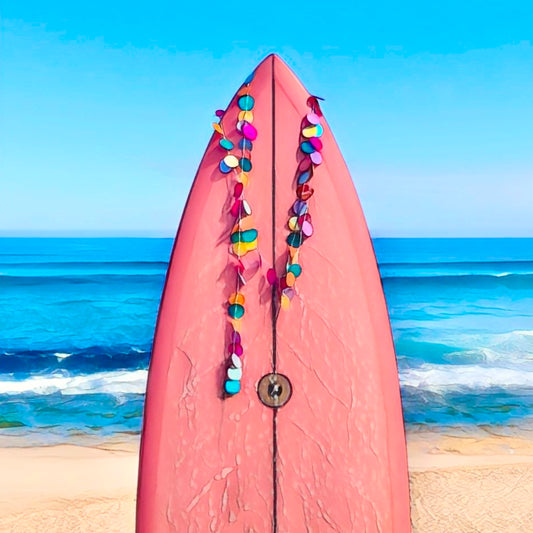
313,441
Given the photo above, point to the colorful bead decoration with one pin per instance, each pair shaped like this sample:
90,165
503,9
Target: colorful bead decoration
243,236
300,223
237,164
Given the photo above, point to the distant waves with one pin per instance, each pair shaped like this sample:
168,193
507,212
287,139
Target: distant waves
66,360
39,269
455,268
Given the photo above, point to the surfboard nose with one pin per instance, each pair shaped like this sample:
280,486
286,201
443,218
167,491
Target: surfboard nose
272,57
268,62
275,67
275,60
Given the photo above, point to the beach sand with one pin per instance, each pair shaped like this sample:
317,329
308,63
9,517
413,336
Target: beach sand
471,484
460,483
60,489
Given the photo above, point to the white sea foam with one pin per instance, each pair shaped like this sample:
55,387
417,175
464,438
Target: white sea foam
60,355
512,347
525,333
138,350
440,378
116,382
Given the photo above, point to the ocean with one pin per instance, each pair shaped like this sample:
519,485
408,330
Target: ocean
77,317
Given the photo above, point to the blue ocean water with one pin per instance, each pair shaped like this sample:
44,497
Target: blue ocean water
77,318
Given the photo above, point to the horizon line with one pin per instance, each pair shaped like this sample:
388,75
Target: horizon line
165,234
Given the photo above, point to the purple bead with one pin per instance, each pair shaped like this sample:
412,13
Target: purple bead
300,207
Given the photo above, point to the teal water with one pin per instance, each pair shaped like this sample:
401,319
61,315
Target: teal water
77,318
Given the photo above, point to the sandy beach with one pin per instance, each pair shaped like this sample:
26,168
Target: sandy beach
459,484
68,488
471,484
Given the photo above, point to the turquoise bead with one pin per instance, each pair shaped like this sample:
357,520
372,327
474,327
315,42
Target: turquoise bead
296,269
245,164
226,144
232,386
246,102
244,236
236,311
295,240
307,148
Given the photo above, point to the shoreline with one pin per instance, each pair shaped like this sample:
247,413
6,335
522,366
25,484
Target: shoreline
462,482
436,451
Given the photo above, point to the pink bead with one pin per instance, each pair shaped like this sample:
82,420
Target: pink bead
235,208
316,158
307,228
248,131
306,217
236,348
313,118
316,143
272,277
237,191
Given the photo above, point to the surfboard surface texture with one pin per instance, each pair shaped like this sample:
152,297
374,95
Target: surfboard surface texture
333,457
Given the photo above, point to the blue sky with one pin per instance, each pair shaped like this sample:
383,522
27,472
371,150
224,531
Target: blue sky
105,108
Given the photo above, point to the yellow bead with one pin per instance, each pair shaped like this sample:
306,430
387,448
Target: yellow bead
246,115
293,224
243,178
